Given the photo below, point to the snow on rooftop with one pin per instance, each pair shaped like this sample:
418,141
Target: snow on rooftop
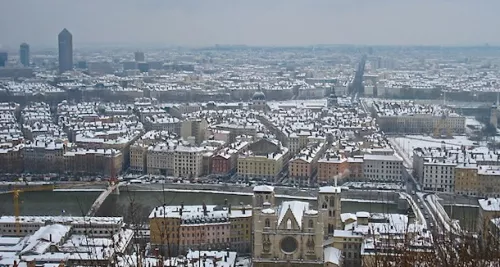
330,189
332,255
490,204
263,188
298,209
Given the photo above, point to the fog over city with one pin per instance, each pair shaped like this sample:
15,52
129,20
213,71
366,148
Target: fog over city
258,133
257,22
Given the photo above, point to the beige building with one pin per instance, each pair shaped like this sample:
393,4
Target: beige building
160,159
188,161
177,229
138,157
488,209
195,128
263,160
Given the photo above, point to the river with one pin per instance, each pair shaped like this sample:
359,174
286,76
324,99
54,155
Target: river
77,203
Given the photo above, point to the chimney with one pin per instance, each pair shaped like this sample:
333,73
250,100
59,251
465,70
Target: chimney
180,212
182,205
243,210
229,209
50,238
225,202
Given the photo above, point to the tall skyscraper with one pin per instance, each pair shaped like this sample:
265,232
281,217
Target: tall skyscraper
139,56
3,58
24,54
65,51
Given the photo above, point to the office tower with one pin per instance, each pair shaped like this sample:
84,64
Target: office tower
65,51
24,54
3,58
139,56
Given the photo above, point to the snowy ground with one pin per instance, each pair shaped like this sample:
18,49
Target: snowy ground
385,186
243,262
410,142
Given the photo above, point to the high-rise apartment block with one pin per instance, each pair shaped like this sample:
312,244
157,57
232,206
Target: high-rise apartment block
3,58
24,54
65,51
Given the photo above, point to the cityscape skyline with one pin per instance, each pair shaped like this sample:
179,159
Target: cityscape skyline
294,23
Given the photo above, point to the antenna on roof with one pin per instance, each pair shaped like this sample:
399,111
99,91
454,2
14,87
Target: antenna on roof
335,177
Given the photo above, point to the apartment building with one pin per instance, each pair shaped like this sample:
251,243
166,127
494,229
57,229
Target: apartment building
383,168
100,227
409,117
331,167
480,181
163,122
349,243
180,228
194,127
466,179
44,156
489,209
264,159
225,161
463,171
188,161
138,157
93,161
160,159
303,167
11,158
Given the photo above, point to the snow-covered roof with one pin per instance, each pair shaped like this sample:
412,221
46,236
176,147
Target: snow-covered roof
490,204
332,255
298,209
44,237
362,214
330,189
263,188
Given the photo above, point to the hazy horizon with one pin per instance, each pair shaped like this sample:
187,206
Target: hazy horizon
258,22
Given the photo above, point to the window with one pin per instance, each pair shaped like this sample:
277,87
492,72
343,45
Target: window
289,224
267,223
311,224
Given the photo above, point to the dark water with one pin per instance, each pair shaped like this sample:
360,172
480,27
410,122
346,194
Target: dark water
78,203
465,214
49,203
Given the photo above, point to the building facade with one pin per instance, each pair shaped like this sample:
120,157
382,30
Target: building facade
65,51
24,54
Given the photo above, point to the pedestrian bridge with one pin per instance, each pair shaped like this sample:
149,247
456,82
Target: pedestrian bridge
102,197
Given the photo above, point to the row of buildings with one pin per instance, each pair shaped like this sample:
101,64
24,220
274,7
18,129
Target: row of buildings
409,117
465,170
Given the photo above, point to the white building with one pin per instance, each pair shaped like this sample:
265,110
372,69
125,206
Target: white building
383,168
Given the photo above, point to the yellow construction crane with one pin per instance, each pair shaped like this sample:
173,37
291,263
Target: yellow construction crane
15,195
47,187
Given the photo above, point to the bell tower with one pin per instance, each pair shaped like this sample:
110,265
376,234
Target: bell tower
329,203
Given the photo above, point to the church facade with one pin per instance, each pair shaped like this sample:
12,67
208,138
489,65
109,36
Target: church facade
292,234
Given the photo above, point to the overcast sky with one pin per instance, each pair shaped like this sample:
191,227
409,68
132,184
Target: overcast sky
252,22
